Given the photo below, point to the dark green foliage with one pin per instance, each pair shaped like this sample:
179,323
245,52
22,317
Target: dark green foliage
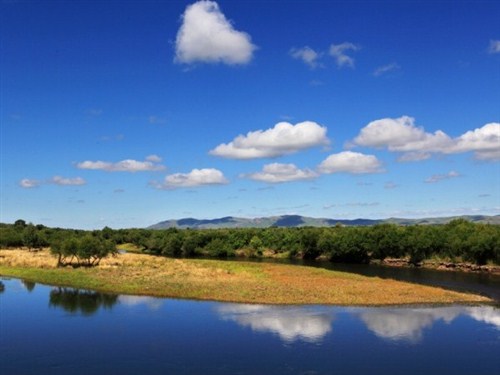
218,248
32,238
457,240
86,251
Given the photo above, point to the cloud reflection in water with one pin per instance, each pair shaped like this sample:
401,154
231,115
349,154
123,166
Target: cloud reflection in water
408,324
289,323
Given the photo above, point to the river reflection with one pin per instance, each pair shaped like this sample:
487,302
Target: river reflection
289,323
313,323
129,335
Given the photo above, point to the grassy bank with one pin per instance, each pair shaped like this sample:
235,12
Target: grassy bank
224,281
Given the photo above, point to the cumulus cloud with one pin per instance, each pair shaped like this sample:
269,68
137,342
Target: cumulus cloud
289,323
277,173
350,162
402,135
307,55
62,181
283,139
494,46
207,36
127,165
406,324
197,177
440,177
27,183
381,70
338,52
484,141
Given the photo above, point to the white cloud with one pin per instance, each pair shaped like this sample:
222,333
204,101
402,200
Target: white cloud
62,181
207,36
277,173
402,135
156,120
381,70
307,55
154,158
127,165
197,177
350,162
27,183
414,156
337,51
440,177
283,139
494,46
484,141
56,180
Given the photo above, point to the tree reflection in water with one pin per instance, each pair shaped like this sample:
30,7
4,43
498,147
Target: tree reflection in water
81,301
29,285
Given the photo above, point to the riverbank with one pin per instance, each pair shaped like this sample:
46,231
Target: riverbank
228,281
442,265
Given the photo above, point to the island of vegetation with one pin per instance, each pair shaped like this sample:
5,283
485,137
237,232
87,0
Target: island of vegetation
166,263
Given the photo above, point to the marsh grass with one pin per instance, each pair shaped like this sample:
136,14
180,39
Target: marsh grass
230,281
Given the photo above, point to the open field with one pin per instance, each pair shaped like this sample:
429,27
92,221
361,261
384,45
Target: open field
219,280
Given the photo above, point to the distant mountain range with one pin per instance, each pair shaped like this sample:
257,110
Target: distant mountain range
303,221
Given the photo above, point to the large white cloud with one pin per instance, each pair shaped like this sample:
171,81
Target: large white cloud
128,165
484,141
284,138
197,177
338,52
207,36
402,135
350,162
277,173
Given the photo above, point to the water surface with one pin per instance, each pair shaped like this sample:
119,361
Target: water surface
53,330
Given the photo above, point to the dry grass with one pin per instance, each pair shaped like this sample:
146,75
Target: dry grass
225,281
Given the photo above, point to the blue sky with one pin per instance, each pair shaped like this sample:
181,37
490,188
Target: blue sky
128,113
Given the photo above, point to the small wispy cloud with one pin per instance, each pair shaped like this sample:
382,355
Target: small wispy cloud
94,112
156,120
62,181
339,53
307,55
390,185
28,183
494,46
384,69
440,177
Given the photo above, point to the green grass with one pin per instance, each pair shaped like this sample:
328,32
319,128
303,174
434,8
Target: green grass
231,281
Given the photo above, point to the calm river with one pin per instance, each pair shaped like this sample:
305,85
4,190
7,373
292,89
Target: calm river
51,330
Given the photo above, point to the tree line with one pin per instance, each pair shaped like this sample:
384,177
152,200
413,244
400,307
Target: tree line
459,240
